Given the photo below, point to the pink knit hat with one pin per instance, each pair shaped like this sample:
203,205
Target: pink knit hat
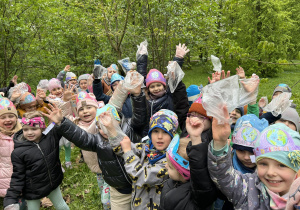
86,99
155,76
54,83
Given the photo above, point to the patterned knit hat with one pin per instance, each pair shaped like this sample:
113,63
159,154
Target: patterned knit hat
280,143
6,106
70,76
85,99
27,98
282,88
155,76
198,107
54,83
247,130
292,115
108,107
164,119
113,67
193,93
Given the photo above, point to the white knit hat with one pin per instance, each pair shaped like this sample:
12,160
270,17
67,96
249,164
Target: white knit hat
69,76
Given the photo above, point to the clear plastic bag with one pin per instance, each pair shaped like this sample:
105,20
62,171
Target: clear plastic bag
248,90
19,88
99,71
174,74
132,80
119,96
216,62
218,94
142,49
279,104
127,65
43,85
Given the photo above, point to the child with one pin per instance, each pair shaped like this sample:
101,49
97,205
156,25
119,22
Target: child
106,81
36,166
71,78
277,157
186,163
83,82
145,163
290,118
193,93
55,89
9,125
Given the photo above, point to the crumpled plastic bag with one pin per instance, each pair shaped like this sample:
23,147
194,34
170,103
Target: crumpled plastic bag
216,62
279,104
142,49
43,85
174,74
102,71
248,92
127,65
21,88
132,80
217,94
119,96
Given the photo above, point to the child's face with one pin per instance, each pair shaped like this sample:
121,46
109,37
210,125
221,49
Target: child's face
235,115
73,81
173,173
8,121
206,122
289,124
30,107
32,133
57,91
87,113
114,85
160,138
156,87
276,94
244,157
83,84
110,72
277,177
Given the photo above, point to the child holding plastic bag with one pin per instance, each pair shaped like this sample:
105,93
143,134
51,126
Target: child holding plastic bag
186,162
159,95
277,157
145,163
111,165
36,165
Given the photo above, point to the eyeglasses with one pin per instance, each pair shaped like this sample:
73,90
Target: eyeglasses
197,115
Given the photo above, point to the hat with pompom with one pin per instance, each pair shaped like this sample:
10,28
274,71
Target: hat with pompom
155,76
54,83
6,106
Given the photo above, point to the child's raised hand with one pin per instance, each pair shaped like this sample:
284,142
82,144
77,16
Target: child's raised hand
106,119
68,93
223,74
262,102
194,126
16,94
126,144
54,114
240,72
41,94
221,132
67,68
14,80
181,50
252,84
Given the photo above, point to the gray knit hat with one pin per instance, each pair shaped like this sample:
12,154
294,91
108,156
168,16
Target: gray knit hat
83,76
292,115
282,88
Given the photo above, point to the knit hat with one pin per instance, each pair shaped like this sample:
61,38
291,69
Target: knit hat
6,106
164,119
292,115
70,76
155,76
280,143
198,107
282,88
27,98
85,99
106,108
113,67
83,77
116,77
54,83
241,110
193,92
247,130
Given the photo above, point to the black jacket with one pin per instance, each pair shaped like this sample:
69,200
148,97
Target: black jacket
112,166
6,89
198,193
36,167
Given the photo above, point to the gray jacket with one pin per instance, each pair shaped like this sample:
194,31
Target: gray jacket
245,191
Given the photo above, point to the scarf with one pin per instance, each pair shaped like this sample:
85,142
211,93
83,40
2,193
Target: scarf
157,95
238,165
13,131
276,202
80,122
152,154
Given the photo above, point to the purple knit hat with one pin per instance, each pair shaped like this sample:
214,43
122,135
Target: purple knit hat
155,76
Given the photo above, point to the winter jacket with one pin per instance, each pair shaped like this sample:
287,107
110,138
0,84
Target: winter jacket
100,96
245,191
147,179
111,165
6,167
36,167
6,89
199,192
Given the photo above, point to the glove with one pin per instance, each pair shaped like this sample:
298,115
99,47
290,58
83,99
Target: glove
181,51
12,207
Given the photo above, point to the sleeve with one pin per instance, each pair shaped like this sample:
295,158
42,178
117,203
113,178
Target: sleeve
98,91
78,136
253,109
17,182
139,115
60,77
270,117
232,183
180,61
141,65
204,192
141,173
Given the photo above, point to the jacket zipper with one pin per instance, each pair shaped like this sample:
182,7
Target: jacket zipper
46,163
152,107
123,171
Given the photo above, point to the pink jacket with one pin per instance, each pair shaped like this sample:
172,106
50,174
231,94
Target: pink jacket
6,168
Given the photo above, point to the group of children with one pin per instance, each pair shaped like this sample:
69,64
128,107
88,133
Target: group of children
158,150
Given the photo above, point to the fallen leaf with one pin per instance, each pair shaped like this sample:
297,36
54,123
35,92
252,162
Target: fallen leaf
46,202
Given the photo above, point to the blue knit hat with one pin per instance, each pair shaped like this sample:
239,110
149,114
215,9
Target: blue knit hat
193,92
116,77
